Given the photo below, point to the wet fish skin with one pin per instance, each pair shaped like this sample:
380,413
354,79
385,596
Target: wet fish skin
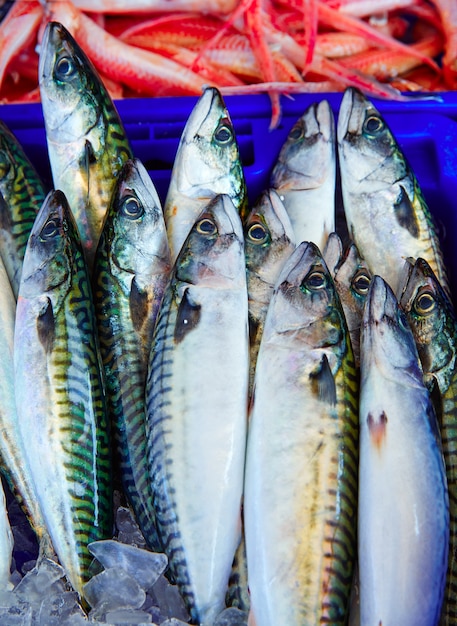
23,193
207,163
351,276
196,405
387,216
268,242
305,174
59,390
86,139
432,318
403,502
131,270
301,461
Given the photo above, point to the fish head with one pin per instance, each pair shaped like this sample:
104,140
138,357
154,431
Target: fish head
49,255
208,162
307,157
333,252
65,79
431,316
368,151
352,281
268,237
386,337
213,253
305,302
135,227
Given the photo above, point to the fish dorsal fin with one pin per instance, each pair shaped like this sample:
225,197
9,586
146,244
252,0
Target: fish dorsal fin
323,382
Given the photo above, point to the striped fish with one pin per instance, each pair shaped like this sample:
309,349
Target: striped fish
207,163
300,498
268,242
86,140
352,277
196,405
433,321
23,193
403,528
305,174
131,269
386,213
59,391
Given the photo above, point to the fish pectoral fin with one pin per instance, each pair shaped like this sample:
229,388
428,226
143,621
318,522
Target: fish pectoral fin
46,326
405,213
139,305
187,318
323,382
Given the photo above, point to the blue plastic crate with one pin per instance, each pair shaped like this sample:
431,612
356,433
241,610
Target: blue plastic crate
425,129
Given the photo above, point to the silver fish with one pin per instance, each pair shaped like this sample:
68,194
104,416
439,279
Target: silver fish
386,213
207,163
196,407
305,174
403,528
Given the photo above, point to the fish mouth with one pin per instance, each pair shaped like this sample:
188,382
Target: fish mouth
351,115
202,110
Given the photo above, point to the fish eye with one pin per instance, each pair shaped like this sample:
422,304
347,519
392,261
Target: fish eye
257,233
373,124
316,280
296,132
50,229
65,68
5,164
224,132
424,303
132,208
206,226
361,282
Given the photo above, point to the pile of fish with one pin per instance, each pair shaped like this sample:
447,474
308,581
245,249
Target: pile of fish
273,396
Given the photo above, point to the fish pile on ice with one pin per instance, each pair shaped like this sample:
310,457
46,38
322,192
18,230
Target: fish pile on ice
269,397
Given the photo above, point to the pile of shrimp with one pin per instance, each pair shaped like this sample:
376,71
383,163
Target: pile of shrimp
176,47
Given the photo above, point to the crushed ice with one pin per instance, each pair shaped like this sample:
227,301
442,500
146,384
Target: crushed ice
130,588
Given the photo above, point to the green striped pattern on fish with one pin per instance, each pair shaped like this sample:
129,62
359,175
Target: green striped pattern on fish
433,321
24,193
302,457
87,143
60,393
131,270
196,405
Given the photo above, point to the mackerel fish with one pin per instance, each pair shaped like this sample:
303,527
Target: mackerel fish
196,406
432,318
59,390
300,499
403,526
23,193
86,140
131,270
351,276
386,213
268,243
305,174
207,163
12,466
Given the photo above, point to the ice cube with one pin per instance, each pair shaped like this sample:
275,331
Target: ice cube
113,589
128,530
128,617
59,608
232,617
41,581
168,599
142,565
174,622
18,614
